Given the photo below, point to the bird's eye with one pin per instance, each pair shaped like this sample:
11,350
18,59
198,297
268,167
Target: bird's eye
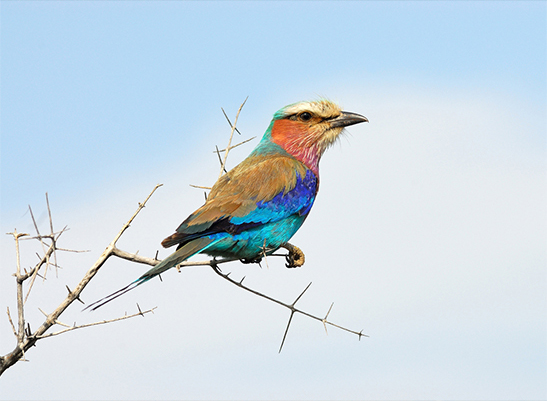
305,116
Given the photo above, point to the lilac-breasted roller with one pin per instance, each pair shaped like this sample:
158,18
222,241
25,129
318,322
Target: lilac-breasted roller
259,205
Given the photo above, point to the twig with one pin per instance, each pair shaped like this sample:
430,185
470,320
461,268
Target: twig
291,307
70,328
45,259
11,323
40,238
34,271
223,165
239,144
133,257
51,230
199,186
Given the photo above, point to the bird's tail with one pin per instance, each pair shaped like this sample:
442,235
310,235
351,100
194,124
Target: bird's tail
186,251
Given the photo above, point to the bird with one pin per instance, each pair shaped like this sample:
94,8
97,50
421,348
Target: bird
256,207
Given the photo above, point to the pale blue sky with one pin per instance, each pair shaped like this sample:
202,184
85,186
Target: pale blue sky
428,233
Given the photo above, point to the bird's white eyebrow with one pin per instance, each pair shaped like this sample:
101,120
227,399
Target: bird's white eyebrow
323,109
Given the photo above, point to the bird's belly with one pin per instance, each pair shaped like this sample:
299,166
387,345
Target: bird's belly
255,242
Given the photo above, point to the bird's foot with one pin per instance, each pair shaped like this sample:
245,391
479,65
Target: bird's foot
295,257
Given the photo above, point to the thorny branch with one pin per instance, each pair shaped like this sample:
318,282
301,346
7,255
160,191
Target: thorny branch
295,253
26,338
74,327
291,307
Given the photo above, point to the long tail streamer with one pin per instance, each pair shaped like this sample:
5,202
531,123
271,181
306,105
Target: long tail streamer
186,251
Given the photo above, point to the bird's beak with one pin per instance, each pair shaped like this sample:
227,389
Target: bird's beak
346,119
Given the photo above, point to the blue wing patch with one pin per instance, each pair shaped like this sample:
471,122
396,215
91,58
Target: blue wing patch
298,200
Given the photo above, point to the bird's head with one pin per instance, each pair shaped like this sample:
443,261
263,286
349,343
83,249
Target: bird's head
306,129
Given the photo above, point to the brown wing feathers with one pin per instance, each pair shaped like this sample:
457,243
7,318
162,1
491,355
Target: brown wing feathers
237,193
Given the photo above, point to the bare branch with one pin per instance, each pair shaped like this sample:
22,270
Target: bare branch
239,144
23,344
20,306
291,307
47,254
34,271
214,265
40,238
70,328
44,260
11,323
77,296
223,165
200,187
133,257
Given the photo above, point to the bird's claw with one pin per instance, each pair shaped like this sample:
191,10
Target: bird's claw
295,257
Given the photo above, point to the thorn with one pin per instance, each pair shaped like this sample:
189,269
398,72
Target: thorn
325,319
229,122
159,276
220,159
140,311
77,297
327,315
241,282
286,331
300,296
156,257
362,335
